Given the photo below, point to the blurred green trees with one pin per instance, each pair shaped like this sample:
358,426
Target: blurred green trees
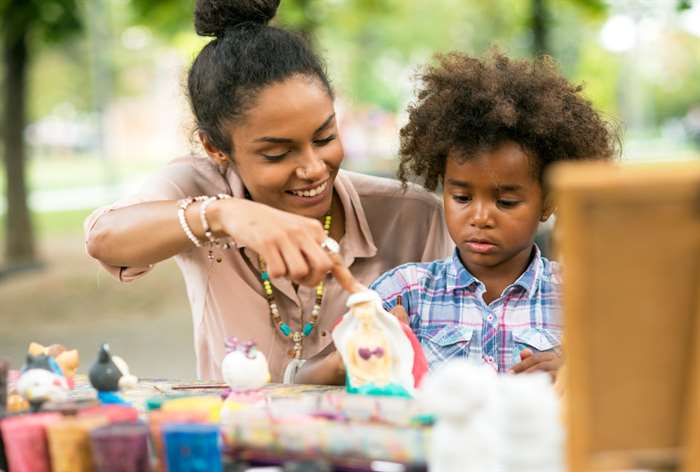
25,26
373,49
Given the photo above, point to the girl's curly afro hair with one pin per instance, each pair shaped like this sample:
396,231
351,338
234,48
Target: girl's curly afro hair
473,105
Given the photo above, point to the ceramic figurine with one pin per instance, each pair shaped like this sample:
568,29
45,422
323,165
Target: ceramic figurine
67,360
108,375
41,380
245,371
381,355
464,398
244,367
533,436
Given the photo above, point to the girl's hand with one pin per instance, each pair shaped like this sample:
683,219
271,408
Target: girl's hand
549,362
322,369
399,311
289,244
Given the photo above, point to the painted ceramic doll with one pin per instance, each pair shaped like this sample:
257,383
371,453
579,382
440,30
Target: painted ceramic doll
41,380
381,355
108,375
67,359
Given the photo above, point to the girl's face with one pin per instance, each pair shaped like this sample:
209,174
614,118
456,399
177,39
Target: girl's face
287,150
493,206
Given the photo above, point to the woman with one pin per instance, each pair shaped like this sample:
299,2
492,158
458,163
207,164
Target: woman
265,117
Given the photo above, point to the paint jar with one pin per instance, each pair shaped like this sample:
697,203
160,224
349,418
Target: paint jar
192,447
69,443
158,419
25,441
121,447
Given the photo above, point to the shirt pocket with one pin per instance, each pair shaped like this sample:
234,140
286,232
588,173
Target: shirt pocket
537,339
444,341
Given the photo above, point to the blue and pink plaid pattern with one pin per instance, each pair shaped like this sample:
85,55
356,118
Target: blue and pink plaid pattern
447,312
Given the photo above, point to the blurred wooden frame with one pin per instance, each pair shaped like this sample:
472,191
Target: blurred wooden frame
629,239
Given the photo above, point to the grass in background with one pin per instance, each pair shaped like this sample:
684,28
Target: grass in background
64,172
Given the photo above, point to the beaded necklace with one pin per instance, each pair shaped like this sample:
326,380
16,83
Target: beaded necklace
297,337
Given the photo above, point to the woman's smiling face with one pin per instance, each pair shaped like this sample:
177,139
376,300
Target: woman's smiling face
287,150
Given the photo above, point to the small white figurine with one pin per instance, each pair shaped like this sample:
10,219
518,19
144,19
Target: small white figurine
533,435
464,398
508,423
245,371
244,367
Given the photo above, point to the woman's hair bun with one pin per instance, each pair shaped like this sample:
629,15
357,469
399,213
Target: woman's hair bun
214,17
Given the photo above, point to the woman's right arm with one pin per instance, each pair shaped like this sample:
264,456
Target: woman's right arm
138,235
147,233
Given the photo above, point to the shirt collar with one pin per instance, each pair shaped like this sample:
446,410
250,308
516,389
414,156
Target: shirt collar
459,277
528,280
358,240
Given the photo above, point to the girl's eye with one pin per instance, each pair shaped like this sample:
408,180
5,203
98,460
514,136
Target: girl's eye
461,198
275,157
508,203
324,141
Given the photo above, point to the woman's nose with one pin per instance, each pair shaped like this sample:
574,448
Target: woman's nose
311,166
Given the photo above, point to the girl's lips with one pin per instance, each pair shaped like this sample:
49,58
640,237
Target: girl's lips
481,247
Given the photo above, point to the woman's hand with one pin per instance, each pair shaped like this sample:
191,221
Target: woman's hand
343,275
289,244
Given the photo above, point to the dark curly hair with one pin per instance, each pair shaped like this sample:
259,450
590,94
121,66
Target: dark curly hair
245,56
474,105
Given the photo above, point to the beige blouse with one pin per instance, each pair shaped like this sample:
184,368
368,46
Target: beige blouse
384,228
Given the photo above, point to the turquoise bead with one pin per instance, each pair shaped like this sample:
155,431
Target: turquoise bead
286,330
308,328
265,276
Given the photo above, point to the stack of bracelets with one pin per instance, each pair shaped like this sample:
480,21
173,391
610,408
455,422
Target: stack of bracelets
211,241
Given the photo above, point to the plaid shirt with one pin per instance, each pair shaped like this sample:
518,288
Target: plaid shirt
450,318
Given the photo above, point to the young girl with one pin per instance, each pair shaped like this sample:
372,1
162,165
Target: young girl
270,185
487,130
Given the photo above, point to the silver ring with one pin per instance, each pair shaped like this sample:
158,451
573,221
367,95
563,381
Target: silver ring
331,245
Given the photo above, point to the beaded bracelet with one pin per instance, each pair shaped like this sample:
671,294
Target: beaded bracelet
203,215
182,206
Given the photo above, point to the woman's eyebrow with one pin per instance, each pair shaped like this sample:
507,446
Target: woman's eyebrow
272,139
325,123
276,140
